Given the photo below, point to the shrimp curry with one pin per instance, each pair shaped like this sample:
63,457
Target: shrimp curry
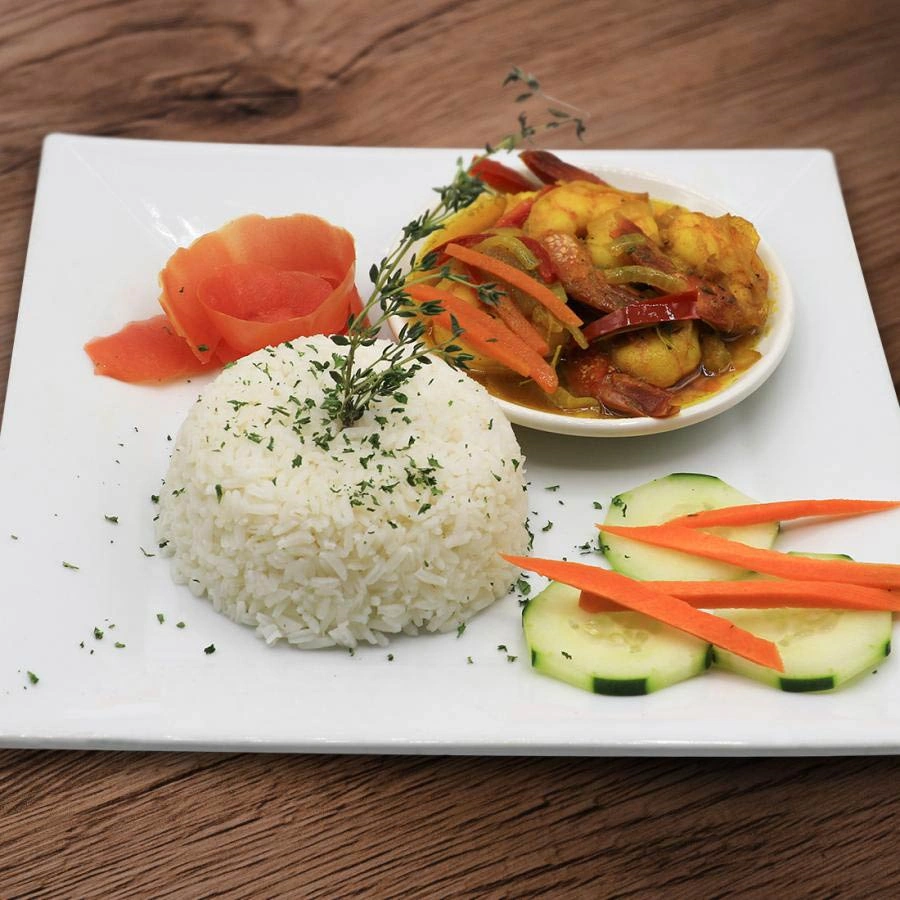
599,302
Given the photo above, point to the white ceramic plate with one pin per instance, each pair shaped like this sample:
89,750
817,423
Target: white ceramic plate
772,345
75,448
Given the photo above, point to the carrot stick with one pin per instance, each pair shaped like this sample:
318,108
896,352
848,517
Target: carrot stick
488,336
761,594
637,596
515,321
771,562
761,513
518,279
508,312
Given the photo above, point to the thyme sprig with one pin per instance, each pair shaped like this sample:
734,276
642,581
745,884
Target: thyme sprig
355,387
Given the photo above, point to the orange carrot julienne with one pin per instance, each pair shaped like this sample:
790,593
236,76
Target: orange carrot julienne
517,278
637,596
488,336
761,594
770,562
761,513
515,321
508,312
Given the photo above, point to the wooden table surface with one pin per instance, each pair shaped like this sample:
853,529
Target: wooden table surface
743,73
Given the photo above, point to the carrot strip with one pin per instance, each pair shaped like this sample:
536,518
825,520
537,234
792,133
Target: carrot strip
761,513
761,594
517,278
637,596
509,313
771,562
488,336
515,321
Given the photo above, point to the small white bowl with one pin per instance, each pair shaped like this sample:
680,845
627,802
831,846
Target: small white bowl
771,346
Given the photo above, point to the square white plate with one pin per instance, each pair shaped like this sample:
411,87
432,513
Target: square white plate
75,448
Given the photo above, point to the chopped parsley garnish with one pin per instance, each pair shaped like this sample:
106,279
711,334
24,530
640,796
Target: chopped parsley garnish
547,527
460,629
32,677
179,624
154,498
566,655
160,618
68,565
390,657
598,505
113,519
98,633
119,645
552,487
219,493
146,553
203,348
210,649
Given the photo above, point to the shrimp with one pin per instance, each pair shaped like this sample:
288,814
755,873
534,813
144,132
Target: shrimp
590,211
572,263
722,252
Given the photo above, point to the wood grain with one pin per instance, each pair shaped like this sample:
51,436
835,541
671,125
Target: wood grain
179,825
699,74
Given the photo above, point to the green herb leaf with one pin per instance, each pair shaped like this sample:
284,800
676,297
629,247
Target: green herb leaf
352,388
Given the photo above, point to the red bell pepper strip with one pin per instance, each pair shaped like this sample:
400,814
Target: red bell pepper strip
671,308
518,215
551,169
501,178
545,268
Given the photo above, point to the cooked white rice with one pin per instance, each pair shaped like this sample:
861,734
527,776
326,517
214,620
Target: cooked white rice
393,525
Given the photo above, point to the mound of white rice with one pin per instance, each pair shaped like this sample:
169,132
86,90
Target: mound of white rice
324,536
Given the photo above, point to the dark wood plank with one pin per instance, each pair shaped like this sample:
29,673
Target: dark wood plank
703,74
179,825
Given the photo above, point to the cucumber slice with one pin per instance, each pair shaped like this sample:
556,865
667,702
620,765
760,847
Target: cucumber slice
663,499
820,648
621,654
